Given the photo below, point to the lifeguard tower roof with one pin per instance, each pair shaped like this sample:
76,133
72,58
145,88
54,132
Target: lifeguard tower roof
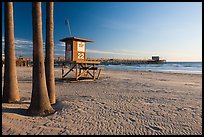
76,39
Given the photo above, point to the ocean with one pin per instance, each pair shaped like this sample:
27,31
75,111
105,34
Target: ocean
174,67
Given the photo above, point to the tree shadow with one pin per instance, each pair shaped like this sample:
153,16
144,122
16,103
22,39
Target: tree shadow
19,111
25,80
22,102
22,111
58,106
73,80
59,80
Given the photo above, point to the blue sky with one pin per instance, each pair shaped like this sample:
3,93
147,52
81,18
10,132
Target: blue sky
120,29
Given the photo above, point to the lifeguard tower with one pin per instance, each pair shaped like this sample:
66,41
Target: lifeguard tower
75,59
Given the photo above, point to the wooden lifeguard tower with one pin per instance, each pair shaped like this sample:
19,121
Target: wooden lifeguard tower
75,59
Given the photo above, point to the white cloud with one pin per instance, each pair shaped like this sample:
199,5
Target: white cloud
61,44
25,47
109,52
23,42
117,54
20,42
99,51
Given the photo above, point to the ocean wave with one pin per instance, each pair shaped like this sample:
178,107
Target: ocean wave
179,67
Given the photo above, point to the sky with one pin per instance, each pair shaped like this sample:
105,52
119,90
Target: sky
128,30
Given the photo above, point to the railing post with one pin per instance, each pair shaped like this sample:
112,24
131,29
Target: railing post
62,69
76,72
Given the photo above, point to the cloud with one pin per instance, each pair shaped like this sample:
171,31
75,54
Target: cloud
20,42
23,42
99,51
22,47
116,54
25,47
109,52
61,44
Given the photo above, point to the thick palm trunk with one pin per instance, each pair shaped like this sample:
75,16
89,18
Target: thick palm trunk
49,60
40,104
10,89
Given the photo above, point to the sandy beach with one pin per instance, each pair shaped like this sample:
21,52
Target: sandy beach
119,103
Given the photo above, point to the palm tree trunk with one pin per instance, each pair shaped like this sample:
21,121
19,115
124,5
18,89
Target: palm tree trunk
40,104
10,89
49,59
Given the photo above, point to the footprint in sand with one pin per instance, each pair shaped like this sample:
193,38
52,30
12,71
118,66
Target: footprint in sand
155,128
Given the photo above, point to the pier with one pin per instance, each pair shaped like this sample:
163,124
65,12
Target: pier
126,61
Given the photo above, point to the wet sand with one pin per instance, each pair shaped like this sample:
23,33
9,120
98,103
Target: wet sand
120,102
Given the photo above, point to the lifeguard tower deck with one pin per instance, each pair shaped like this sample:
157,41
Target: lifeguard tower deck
75,60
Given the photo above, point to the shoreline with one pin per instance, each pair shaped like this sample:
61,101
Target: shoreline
166,72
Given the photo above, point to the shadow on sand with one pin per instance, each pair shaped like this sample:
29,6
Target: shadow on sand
25,80
58,106
61,81
19,111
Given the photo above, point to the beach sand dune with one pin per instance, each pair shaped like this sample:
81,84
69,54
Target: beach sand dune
120,102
